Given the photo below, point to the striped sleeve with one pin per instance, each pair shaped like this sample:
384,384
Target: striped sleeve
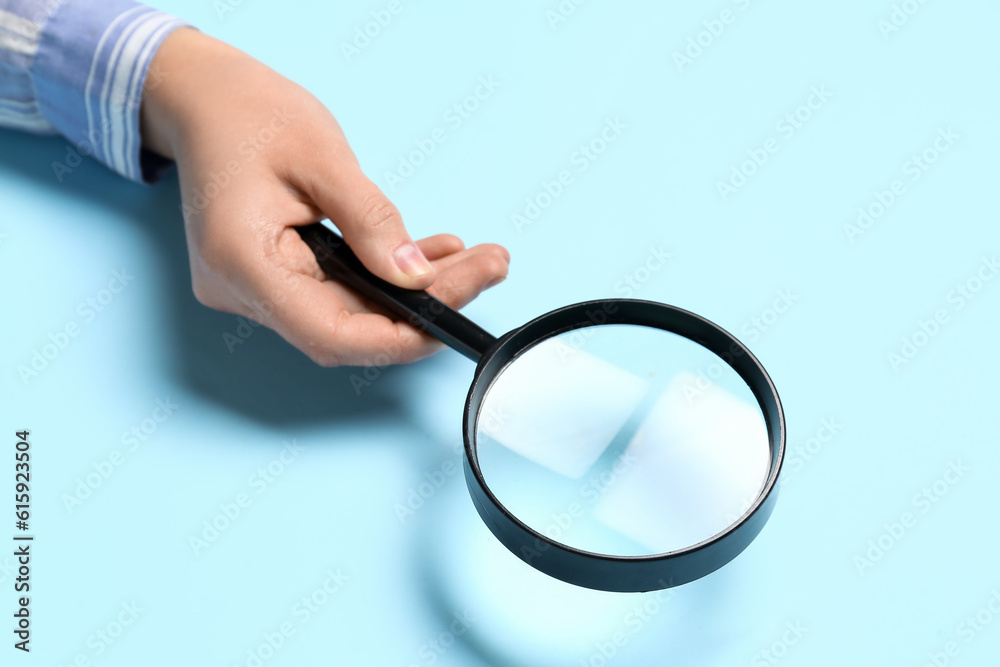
87,64
18,44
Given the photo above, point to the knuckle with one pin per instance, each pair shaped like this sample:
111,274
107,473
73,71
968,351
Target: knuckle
495,249
379,212
446,290
327,351
453,243
495,265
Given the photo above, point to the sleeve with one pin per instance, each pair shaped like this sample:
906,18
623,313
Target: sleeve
79,67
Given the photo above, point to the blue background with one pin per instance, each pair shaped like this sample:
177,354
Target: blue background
865,436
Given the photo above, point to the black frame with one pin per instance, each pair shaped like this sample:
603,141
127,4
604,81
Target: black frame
624,573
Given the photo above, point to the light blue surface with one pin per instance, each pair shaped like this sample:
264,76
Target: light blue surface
334,508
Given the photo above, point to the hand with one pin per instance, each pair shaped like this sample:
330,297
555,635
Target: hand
257,156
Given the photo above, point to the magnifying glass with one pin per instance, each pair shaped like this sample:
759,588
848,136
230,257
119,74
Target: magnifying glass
616,444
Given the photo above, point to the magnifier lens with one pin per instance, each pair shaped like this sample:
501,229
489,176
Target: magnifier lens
622,440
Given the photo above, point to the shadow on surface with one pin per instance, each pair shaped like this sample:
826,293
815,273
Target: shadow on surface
689,624
263,378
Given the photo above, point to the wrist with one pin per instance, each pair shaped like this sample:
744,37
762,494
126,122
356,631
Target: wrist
193,71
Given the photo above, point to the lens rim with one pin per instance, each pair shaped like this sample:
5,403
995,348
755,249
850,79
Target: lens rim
602,571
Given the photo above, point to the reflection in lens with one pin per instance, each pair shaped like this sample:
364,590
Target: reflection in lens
622,440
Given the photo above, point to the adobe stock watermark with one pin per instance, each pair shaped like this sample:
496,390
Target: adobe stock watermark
248,150
366,33
580,160
302,611
383,359
763,321
914,168
87,311
752,330
922,503
224,7
711,31
131,441
44,12
798,456
432,482
107,635
556,16
786,127
633,281
779,648
968,630
260,312
454,117
575,339
231,510
417,497
900,15
958,298
590,491
434,648
634,620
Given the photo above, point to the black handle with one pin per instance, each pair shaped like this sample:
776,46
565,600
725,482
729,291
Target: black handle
416,307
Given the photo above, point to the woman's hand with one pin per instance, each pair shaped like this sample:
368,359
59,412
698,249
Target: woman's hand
257,156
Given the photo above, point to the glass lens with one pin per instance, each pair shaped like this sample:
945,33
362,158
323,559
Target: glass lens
623,440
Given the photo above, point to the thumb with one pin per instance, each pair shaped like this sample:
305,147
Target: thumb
373,228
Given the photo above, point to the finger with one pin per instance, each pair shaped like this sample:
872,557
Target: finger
456,287
370,223
355,303
467,279
450,260
310,315
440,245
334,326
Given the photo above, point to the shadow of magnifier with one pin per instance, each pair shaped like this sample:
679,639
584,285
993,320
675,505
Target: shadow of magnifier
619,445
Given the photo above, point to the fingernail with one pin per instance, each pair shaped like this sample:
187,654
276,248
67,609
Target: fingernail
495,282
411,261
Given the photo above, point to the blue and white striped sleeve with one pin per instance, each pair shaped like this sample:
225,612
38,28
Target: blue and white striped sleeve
79,67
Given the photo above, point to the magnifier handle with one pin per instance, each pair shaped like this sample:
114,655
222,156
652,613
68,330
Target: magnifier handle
416,307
